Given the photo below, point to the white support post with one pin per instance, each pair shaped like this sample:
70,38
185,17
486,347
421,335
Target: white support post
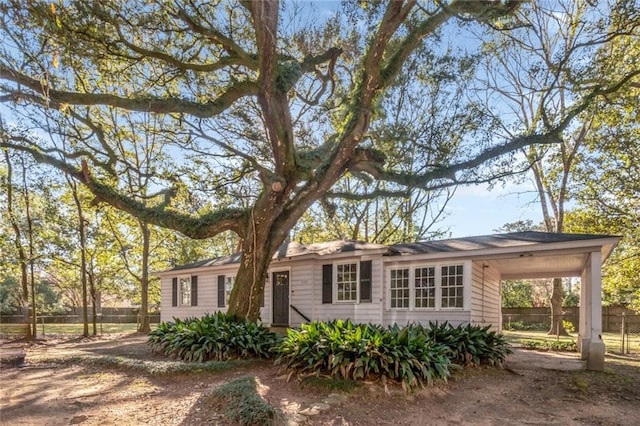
584,327
595,360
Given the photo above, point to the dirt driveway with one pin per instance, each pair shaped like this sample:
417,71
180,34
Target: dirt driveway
52,390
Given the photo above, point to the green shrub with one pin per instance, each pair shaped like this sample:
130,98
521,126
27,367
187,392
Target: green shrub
568,326
241,404
550,345
212,337
341,349
470,344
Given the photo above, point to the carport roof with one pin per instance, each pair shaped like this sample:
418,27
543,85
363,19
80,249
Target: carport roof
495,241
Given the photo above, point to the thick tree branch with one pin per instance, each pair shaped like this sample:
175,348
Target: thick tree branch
200,227
149,104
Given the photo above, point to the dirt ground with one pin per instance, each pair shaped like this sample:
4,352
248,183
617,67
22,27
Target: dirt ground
534,388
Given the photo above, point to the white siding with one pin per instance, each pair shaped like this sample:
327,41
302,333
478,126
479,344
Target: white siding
207,295
485,297
368,312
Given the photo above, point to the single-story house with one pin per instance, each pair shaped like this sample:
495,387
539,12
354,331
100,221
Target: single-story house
455,280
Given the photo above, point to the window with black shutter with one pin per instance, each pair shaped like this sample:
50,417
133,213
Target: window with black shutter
221,303
327,283
174,291
365,281
194,290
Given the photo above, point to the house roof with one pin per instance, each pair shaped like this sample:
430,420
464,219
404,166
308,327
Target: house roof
507,240
477,246
292,249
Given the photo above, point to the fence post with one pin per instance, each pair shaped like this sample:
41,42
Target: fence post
622,331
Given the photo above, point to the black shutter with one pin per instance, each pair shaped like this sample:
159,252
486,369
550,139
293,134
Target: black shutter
327,283
220,291
194,290
262,294
365,281
174,292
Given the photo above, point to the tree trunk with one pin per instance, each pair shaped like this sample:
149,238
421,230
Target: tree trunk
83,257
94,309
144,326
22,257
556,309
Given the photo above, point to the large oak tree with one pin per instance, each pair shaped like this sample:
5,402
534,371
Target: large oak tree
265,106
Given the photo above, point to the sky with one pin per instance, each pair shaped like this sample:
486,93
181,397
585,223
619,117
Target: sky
478,210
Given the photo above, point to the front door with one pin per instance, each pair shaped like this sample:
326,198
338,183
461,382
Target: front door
281,298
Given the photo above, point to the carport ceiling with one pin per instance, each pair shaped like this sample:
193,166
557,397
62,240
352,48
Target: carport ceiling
530,266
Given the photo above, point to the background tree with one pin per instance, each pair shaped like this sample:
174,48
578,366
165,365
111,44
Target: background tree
539,71
269,112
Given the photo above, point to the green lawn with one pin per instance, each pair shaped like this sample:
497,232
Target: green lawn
69,329
611,340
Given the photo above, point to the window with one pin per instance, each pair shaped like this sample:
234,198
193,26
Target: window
347,282
425,287
185,290
452,286
228,286
400,288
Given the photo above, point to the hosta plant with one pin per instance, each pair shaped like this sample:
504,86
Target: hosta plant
470,344
212,337
341,349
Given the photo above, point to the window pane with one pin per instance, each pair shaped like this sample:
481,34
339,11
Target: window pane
399,286
185,290
346,282
452,283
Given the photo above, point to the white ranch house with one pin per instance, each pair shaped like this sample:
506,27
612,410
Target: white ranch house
455,280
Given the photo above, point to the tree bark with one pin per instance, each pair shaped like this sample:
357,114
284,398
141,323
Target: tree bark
83,257
557,328
22,257
144,326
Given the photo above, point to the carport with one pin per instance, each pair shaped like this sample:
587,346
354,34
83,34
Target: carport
530,255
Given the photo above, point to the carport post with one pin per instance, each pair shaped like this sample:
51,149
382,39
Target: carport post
584,328
595,359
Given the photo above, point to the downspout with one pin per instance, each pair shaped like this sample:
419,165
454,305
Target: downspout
484,266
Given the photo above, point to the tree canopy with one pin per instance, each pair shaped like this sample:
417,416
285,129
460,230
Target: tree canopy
260,107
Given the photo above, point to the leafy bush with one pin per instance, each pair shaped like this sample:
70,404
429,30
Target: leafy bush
568,326
470,344
357,351
242,405
212,337
522,326
550,345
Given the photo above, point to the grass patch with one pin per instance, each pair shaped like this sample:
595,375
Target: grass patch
152,368
611,340
69,329
241,404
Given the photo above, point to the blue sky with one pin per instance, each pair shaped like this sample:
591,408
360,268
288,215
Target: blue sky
478,210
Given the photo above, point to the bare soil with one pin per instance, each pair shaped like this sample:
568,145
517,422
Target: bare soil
534,388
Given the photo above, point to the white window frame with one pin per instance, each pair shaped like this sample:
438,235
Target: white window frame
415,289
408,288
356,283
227,292
461,286
184,279
466,287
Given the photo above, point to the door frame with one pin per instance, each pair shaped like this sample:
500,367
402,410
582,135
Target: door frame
273,299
